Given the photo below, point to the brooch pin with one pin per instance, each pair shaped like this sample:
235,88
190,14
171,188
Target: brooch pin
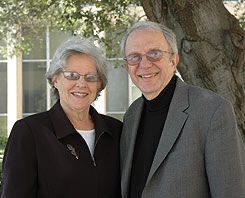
73,151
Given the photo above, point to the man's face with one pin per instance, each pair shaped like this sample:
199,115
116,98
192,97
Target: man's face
150,77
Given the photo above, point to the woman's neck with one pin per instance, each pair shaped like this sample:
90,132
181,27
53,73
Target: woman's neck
81,120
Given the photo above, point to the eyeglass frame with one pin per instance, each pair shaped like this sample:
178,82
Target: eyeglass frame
148,58
79,76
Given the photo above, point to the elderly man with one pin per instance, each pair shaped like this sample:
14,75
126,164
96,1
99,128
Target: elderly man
178,141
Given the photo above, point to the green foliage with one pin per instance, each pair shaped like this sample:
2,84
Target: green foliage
3,142
240,13
3,126
22,20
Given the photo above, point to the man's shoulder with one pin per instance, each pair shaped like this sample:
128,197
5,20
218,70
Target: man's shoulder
206,100
135,106
111,120
203,94
198,93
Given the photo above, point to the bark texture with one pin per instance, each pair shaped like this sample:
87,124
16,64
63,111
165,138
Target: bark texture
211,46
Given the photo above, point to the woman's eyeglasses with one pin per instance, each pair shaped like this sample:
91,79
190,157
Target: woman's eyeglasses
152,56
70,75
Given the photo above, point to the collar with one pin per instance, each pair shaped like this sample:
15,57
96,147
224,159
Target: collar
163,100
63,127
101,125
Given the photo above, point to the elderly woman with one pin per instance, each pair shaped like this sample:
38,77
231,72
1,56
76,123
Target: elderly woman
71,150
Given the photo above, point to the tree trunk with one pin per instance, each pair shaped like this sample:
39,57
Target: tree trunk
211,46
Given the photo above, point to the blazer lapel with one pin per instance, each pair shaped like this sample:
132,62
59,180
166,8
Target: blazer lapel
127,143
175,120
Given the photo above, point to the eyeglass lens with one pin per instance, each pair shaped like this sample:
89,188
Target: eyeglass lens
75,76
152,55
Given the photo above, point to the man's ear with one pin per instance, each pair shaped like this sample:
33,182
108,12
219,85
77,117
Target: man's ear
175,60
126,66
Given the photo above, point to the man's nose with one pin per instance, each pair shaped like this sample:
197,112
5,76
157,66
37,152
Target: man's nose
145,63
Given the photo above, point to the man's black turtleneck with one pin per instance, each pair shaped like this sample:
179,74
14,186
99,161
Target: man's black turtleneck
149,132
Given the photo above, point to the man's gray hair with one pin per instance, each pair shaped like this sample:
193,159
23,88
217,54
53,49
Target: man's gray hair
155,27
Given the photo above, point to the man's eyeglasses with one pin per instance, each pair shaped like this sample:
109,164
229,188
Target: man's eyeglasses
70,75
152,56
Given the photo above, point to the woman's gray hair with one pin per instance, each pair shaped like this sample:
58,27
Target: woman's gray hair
77,45
156,27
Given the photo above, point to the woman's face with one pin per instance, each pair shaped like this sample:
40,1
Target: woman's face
77,95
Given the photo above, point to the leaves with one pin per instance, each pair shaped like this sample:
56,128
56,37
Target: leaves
22,20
